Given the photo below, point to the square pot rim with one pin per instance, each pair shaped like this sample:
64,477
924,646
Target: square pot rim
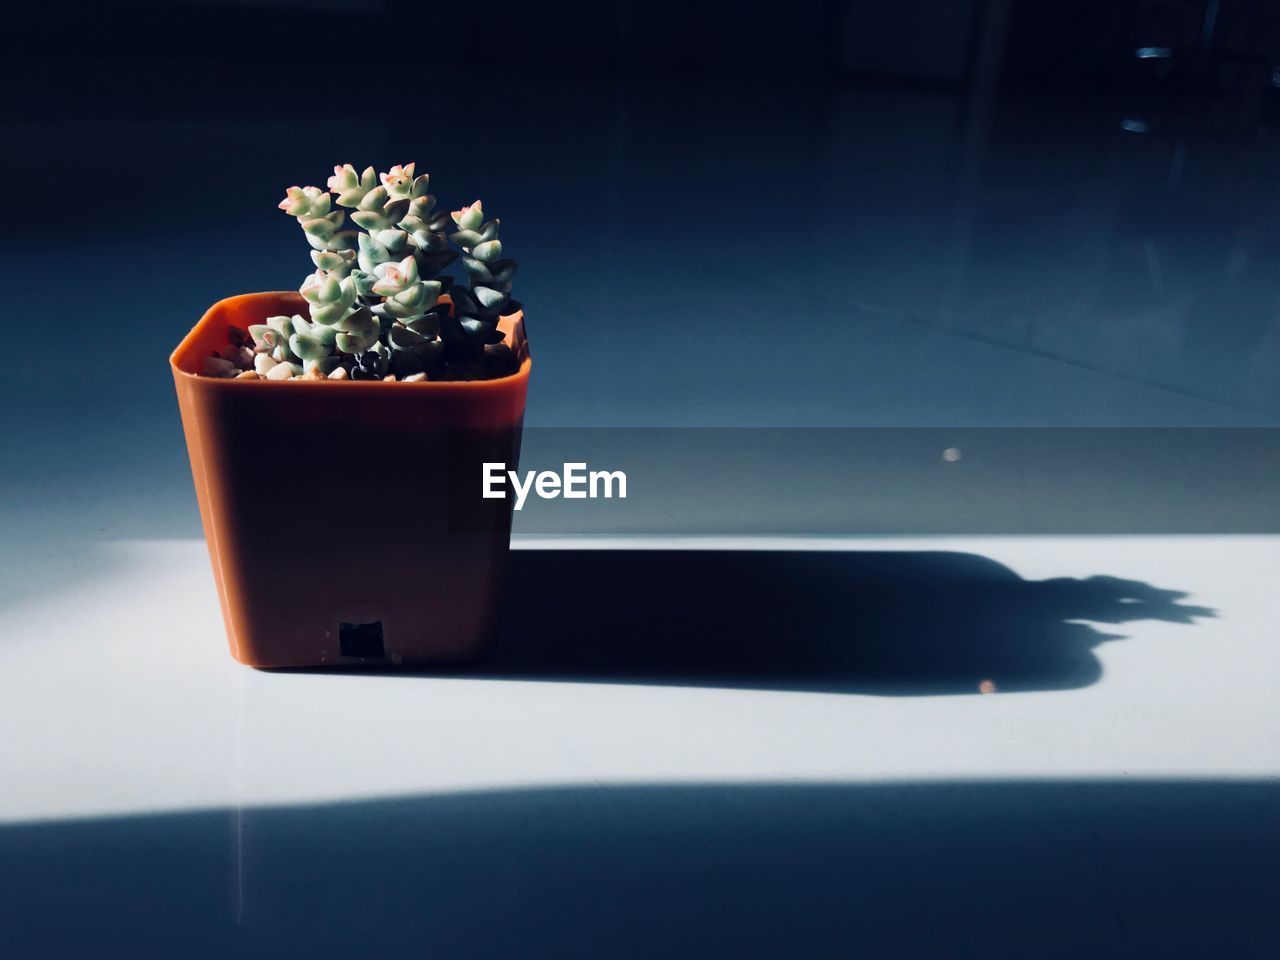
511,324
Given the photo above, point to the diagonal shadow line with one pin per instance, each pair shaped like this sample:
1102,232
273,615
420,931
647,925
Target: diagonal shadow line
879,622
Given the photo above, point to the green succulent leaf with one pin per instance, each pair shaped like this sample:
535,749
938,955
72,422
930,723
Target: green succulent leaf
430,242
489,250
337,263
412,225
502,270
350,186
394,240
402,337
325,365
264,336
478,271
421,206
281,325
425,326
393,277
360,322
371,220
329,314
307,347
399,180
469,217
318,228
419,296
371,253
342,240
375,199
396,210
305,203
352,343
489,297
464,300
344,178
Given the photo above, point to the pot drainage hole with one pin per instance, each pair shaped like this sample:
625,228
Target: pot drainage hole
363,640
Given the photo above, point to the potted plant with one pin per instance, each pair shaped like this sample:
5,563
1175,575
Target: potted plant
386,553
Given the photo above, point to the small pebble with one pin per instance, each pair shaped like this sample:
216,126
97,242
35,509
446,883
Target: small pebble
244,358
263,363
313,374
415,378
280,371
389,378
339,373
247,375
217,367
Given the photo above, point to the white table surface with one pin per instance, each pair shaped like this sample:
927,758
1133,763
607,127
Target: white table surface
122,706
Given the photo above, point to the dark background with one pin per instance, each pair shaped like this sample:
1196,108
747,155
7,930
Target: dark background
823,212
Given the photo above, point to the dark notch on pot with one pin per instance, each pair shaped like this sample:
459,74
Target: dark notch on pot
363,640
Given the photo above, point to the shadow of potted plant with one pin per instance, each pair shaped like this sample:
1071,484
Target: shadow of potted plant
386,552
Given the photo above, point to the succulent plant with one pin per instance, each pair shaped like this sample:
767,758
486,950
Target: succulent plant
272,338
371,364
476,308
374,299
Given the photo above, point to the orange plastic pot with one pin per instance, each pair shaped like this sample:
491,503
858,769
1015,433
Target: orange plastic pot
344,518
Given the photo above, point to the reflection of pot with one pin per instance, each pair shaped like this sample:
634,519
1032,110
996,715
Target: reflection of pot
327,504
